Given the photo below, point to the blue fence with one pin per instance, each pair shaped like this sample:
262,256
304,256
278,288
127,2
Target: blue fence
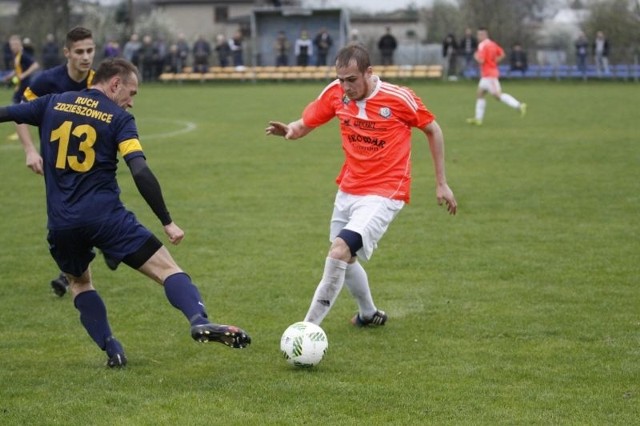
616,72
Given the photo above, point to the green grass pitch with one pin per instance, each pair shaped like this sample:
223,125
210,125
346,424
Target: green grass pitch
522,309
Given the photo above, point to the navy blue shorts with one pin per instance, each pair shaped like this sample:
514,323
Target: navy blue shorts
119,237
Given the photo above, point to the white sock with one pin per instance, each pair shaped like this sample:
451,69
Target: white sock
481,104
327,290
358,284
509,100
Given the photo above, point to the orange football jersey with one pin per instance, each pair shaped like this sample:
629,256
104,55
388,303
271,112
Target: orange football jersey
376,136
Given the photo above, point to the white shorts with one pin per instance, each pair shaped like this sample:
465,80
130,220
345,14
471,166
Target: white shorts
490,84
368,215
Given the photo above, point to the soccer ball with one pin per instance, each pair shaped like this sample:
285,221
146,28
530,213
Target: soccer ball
304,344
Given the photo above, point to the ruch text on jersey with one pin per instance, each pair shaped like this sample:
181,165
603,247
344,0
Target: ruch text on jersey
85,107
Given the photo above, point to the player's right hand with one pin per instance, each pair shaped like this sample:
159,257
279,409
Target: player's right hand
34,162
277,128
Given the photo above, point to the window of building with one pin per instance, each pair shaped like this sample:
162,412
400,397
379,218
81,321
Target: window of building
221,14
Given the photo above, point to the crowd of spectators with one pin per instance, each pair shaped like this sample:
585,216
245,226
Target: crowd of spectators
153,55
157,55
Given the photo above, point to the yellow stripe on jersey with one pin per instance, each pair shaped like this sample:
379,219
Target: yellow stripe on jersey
90,77
17,66
129,146
29,95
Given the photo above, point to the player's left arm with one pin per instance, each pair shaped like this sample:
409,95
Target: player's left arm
28,113
4,115
149,188
444,194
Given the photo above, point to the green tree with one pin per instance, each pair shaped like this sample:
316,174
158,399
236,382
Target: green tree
37,18
507,21
620,24
444,18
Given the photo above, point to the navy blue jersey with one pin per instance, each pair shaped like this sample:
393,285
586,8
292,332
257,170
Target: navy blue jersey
55,80
22,62
81,134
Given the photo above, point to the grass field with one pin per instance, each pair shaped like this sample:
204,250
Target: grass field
522,309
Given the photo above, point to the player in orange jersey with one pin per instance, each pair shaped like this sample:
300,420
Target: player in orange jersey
376,119
488,55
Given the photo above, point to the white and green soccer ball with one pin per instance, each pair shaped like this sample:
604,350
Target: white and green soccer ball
304,344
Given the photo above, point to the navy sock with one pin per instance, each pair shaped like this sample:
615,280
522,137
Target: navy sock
113,347
184,295
93,316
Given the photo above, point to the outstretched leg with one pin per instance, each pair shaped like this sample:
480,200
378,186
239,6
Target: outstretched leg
184,296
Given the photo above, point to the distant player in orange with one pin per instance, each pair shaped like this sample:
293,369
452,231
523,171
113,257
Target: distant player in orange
488,55
376,119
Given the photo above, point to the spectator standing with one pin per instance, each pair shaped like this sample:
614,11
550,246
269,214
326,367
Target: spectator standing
223,50
183,52
112,49
518,59
601,53
303,49
468,47
282,47
148,58
131,47
172,60
50,52
322,43
162,50
237,52
582,50
387,46
201,52
450,55
489,55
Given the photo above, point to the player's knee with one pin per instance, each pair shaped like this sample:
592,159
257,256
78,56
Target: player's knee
79,285
346,245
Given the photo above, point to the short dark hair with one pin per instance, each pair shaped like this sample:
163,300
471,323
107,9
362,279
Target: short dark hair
77,34
353,52
111,67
